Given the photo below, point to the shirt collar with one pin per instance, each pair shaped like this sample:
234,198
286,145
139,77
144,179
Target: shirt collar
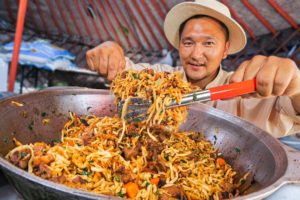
220,79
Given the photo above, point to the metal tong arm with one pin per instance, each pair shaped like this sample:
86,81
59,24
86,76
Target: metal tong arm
215,93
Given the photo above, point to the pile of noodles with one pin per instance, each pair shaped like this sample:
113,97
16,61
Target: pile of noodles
91,156
160,88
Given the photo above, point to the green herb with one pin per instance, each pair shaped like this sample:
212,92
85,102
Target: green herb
157,193
5,140
237,149
78,144
243,181
161,111
30,126
43,114
194,97
69,118
135,76
85,172
167,157
183,161
118,178
135,134
55,141
91,161
158,81
23,154
44,172
147,184
121,194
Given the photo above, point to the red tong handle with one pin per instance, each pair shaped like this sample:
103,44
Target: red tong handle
232,90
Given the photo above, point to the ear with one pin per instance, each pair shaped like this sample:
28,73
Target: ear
227,45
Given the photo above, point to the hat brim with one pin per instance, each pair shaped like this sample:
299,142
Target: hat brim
183,11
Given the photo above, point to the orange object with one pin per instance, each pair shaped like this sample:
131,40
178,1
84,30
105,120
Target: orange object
221,161
154,181
232,90
131,189
71,143
17,44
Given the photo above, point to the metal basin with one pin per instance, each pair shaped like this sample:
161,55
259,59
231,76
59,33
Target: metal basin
244,146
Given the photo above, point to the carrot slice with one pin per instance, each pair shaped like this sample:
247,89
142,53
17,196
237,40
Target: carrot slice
131,189
221,161
71,143
154,181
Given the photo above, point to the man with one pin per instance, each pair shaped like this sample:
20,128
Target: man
204,34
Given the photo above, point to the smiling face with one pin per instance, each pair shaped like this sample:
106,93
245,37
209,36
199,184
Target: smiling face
202,47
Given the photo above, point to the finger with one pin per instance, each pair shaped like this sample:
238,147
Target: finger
95,60
103,64
282,79
89,60
122,64
253,67
239,73
90,63
112,67
266,76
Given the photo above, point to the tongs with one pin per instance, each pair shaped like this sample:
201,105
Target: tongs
136,108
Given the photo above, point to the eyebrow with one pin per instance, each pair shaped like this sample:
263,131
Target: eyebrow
191,38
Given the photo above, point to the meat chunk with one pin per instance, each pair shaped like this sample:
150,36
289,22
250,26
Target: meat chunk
39,149
132,152
162,180
78,179
176,191
154,149
21,158
197,137
126,174
163,197
128,177
59,179
43,171
132,130
155,166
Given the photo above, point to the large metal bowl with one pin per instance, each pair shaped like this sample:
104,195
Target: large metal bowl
244,146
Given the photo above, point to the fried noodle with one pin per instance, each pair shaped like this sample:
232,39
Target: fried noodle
143,160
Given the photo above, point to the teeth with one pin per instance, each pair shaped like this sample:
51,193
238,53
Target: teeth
200,64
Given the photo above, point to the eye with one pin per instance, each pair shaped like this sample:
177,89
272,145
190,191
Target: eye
187,43
209,43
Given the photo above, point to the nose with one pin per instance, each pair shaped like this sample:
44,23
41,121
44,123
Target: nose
198,52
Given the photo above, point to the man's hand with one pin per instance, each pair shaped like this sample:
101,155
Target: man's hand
275,76
107,59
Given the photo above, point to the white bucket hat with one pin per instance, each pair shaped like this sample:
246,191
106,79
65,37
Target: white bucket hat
183,11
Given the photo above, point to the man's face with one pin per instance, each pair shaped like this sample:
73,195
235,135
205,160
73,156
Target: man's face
202,47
